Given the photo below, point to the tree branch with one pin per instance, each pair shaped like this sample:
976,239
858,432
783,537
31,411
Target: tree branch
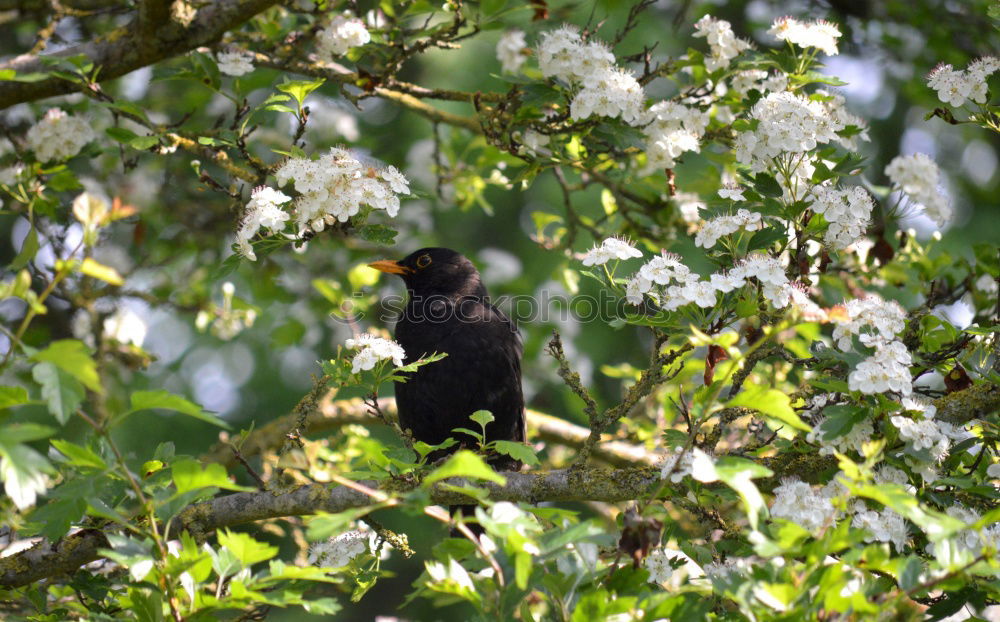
126,49
331,414
201,519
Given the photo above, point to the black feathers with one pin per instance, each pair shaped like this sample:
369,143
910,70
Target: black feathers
448,311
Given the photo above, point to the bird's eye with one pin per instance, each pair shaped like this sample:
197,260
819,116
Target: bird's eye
423,261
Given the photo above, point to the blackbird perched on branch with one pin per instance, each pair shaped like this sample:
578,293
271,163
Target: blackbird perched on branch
448,310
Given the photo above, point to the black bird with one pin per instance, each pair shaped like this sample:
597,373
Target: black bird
448,310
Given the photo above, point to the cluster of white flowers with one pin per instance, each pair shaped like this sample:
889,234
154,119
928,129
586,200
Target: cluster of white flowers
819,34
847,210
970,540
263,210
723,43
859,434
335,186
343,33
563,54
874,320
884,526
918,176
787,123
234,63
802,504
924,436
717,227
671,129
611,248
954,86
758,80
886,370
836,107
339,550
58,136
372,350
606,90
510,50
658,564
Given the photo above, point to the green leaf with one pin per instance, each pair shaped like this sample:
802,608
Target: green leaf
379,234
189,475
766,185
517,451
73,357
13,396
28,249
23,471
245,548
61,391
15,433
766,237
150,400
120,134
142,143
465,464
300,89
482,417
78,455
738,474
771,402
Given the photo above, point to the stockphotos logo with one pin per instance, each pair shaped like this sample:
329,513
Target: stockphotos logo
544,308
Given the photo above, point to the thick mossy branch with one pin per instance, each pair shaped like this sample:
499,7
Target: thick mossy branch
131,47
329,415
976,402
202,519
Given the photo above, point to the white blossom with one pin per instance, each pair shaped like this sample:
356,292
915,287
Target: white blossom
234,63
613,92
819,34
339,550
658,564
759,80
876,321
955,86
918,176
797,501
733,193
58,136
884,526
723,43
372,350
715,228
563,54
510,50
263,210
611,248
334,187
846,210
886,370
787,124
343,33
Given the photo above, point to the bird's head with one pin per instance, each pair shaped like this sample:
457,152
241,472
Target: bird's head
435,272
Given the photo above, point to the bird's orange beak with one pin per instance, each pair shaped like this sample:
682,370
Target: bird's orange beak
390,266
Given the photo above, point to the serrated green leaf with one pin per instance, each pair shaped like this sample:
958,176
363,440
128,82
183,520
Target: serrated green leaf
161,399
62,392
78,455
466,464
189,475
771,402
517,451
13,396
245,548
300,89
379,234
73,357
